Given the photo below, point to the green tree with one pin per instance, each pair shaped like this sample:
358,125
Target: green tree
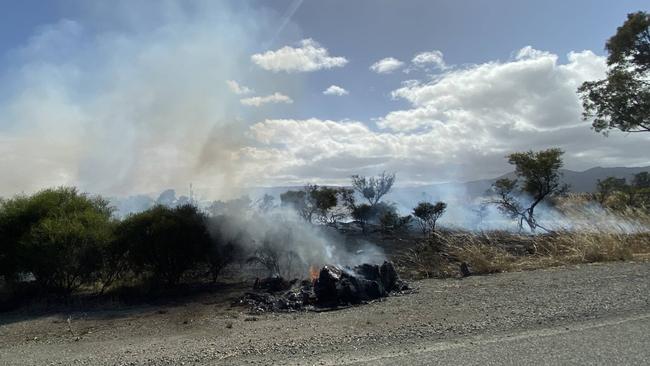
622,100
618,194
313,202
373,188
324,200
58,235
428,214
538,177
641,180
362,213
608,186
392,222
166,242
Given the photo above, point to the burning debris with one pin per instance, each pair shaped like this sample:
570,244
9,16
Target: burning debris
329,288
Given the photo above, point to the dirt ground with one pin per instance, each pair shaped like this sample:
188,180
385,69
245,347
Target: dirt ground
208,330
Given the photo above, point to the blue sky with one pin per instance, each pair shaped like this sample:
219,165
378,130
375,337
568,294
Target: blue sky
466,31
128,97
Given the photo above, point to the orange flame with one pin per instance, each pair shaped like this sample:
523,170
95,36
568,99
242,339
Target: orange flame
313,272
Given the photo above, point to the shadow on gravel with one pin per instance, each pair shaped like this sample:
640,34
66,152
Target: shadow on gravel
28,304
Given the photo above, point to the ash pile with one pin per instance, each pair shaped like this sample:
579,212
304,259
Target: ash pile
334,288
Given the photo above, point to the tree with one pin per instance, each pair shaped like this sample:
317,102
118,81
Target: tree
538,178
323,199
428,214
392,222
295,200
641,180
373,188
166,242
58,235
228,240
311,202
266,203
617,193
608,186
622,100
362,213
641,189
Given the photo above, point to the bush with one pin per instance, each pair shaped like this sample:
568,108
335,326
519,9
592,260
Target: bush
227,244
165,242
391,222
428,214
57,235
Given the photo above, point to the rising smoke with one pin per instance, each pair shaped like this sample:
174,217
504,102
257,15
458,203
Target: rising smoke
116,102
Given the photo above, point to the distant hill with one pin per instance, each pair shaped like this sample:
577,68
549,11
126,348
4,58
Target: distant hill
584,181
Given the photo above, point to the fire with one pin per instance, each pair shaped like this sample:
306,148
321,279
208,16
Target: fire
313,272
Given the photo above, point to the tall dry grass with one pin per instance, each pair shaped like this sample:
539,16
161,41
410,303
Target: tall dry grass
585,233
500,251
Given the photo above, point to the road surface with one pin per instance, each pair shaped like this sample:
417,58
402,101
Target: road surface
587,314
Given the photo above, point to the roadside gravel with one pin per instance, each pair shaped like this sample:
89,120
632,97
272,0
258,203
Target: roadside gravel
209,331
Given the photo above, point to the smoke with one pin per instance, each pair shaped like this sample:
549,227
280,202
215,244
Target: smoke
293,244
467,211
132,97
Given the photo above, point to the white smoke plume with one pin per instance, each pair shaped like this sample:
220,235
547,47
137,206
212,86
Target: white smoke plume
117,102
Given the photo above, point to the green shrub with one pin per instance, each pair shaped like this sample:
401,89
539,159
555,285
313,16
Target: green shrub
391,222
55,234
165,242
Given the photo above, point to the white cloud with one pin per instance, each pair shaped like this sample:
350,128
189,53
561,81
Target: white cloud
273,98
335,90
459,127
386,65
425,59
309,56
238,89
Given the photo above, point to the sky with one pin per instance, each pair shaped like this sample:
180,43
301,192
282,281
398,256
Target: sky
138,96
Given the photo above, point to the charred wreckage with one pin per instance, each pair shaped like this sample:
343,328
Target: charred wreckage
330,288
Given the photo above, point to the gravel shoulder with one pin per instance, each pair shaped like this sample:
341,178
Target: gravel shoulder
209,331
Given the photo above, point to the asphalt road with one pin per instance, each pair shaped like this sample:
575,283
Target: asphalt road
624,341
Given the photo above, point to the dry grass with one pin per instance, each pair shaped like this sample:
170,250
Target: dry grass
493,252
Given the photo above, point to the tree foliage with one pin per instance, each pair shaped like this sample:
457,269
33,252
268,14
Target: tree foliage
373,188
313,203
538,177
428,214
166,242
391,222
362,213
622,100
617,193
631,43
608,186
59,235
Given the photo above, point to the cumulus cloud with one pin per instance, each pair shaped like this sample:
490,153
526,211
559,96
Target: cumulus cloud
335,90
237,88
386,65
273,99
309,56
139,109
458,127
431,58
